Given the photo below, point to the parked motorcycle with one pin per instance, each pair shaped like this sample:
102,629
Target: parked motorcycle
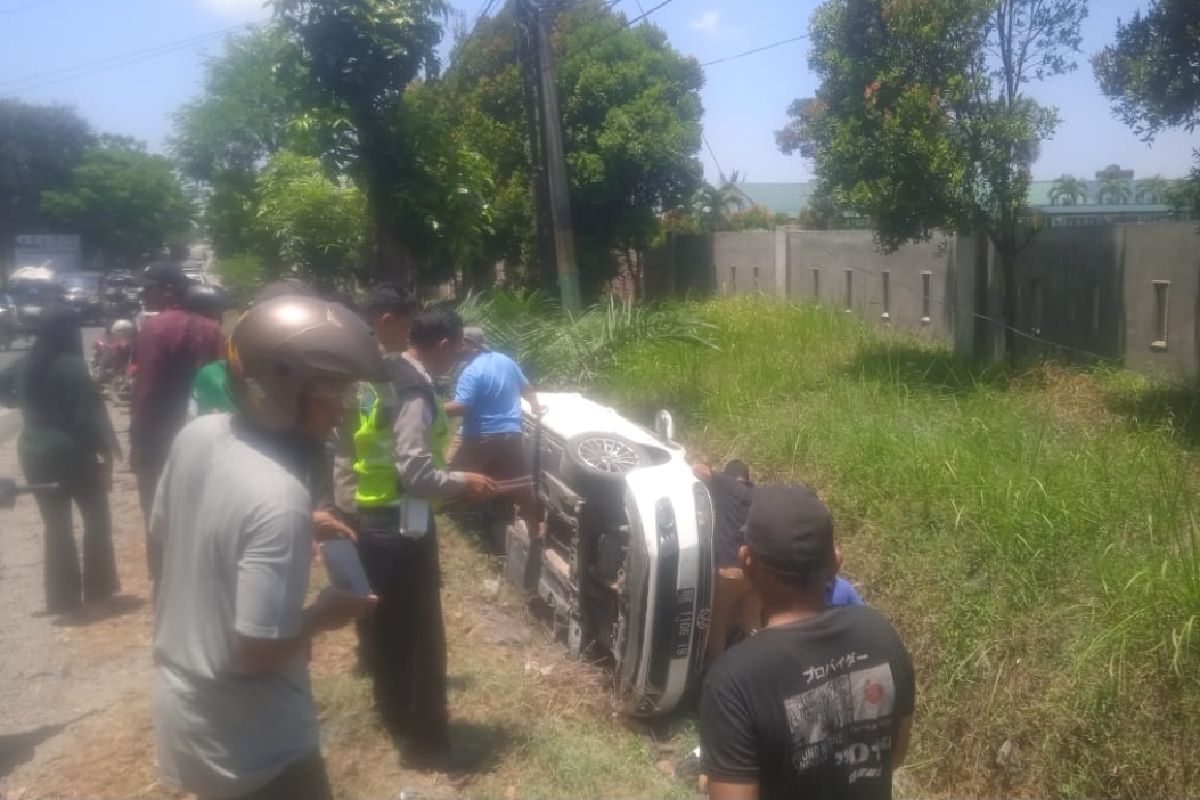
112,359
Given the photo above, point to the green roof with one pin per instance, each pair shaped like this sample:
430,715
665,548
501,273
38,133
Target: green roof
790,198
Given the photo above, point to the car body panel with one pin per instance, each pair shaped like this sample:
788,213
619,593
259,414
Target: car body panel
663,591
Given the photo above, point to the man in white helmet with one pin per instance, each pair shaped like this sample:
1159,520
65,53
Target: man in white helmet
233,708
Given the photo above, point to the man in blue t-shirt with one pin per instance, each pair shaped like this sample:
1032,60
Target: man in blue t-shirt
488,399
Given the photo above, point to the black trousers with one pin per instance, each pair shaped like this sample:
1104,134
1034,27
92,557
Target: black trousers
402,642
148,472
66,585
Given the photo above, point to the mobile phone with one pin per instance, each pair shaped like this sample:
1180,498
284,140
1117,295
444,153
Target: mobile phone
344,566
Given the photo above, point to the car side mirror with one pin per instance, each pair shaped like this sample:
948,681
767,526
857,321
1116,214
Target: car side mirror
664,425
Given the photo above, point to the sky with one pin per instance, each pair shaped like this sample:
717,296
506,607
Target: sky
127,65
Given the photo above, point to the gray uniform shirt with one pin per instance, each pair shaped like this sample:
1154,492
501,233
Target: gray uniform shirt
237,530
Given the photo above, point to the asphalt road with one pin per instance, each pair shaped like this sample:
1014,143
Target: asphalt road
10,419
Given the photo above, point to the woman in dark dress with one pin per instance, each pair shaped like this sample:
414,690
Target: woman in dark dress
68,440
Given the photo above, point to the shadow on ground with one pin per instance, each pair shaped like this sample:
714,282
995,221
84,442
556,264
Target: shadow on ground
17,748
1174,407
117,606
922,368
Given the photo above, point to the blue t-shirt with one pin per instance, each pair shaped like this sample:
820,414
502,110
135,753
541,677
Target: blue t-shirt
842,593
490,387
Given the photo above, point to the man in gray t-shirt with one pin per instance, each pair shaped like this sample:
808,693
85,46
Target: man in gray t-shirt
233,708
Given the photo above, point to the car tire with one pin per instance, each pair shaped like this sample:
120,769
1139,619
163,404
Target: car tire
601,460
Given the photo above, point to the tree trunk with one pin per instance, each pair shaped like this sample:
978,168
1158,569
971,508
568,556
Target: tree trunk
1008,302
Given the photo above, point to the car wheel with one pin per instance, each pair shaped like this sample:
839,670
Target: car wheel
601,458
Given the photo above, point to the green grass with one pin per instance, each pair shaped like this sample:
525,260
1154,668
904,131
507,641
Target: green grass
1033,535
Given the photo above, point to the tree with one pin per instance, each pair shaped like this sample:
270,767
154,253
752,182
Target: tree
1153,190
360,56
246,113
631,116
124,201
39,148
1114,191
317,224
1068,191
922,118
1152,71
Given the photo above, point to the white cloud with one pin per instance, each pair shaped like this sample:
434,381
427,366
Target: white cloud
237,9
708,21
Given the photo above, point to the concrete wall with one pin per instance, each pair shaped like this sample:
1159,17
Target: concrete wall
845,269
1169,253
1080,290
745,262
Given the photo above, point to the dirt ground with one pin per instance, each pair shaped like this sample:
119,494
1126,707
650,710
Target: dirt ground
75,695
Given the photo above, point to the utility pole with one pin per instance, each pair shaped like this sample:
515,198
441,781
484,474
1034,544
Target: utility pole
527,55
554,163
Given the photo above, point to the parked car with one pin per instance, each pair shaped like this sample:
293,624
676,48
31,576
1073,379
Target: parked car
32,297
626,565
84,292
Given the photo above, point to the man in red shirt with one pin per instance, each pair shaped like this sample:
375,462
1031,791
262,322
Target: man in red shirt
170,348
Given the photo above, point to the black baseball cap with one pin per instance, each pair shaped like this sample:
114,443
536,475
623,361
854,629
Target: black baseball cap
165,275
791,530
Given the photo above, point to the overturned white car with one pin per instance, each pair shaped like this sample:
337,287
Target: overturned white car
626,564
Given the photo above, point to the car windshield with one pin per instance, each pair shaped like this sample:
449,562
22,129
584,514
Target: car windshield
88,283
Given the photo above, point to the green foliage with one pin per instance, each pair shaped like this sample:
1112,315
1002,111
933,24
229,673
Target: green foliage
755,218
559,352
921,122
1152,71
40,146
1031,534
1068,191
631,128
252,106
124,201
360,56
1114,191
318,225
242,275
1153,190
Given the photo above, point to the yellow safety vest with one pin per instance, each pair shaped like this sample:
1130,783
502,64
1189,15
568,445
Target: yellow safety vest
374,447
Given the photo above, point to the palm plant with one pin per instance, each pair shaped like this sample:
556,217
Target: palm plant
1153,190
558,351
1068,191
1114,191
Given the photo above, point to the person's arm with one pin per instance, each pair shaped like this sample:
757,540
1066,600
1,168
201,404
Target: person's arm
414,457
531,396
464,393
89,414
9,382
727,739
273,567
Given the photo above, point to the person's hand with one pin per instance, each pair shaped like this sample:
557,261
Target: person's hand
479,487
327,526
702,471
334,608
106,475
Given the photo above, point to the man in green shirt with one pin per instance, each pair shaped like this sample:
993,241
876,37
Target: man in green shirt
210,391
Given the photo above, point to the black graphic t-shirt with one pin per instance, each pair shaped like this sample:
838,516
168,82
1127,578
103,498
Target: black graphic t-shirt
810,709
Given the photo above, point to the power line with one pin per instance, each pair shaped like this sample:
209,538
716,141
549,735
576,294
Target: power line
26,7
89,68
720,172
751,52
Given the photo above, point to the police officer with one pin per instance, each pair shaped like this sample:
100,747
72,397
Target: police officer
400,434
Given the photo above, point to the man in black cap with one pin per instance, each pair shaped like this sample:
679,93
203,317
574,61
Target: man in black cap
819,703
170,348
